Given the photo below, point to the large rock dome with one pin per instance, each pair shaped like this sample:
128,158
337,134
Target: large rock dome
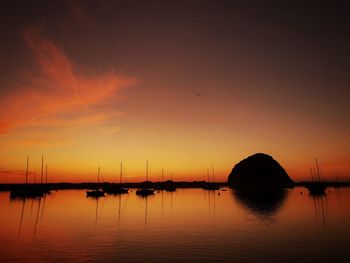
259,171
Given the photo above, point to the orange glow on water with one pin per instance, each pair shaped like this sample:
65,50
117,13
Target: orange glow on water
68,221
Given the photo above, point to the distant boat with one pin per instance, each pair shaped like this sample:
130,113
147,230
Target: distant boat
316,187
170,188
169,185
208,185
145,191
29,190
117,189
211,186
96,193
336,184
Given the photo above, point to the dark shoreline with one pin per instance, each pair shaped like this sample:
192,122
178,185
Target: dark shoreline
194,184
89,185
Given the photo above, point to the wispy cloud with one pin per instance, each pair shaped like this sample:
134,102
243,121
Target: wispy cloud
55,95
10,172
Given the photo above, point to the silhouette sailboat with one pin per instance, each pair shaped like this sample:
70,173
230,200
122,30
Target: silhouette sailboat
145,190
169,184
117,189
316,187
29,190
96,193
211,185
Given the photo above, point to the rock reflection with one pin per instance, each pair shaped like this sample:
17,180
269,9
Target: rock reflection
264,204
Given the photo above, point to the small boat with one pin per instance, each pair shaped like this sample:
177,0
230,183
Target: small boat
145,191
316,187
27,192
210,185
30,190
336,183
117,189
96,193
170,188
169,184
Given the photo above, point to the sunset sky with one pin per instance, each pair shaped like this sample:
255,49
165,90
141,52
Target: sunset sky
186,85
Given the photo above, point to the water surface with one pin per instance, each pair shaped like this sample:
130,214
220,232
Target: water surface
189,225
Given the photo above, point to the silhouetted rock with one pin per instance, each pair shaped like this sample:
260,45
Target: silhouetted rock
259,171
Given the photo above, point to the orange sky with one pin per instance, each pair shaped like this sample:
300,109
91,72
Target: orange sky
92,88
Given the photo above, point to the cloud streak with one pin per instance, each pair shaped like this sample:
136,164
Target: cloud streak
6,172
55,95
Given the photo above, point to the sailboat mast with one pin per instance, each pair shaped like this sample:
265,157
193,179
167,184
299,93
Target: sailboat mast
162,175
121,172
42,168
208,175
147,170
318,171
98,175
312,174
212,172
46,174
27,170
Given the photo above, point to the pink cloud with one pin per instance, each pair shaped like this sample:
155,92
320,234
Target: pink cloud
55,95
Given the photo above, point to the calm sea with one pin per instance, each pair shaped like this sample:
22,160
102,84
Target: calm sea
189,225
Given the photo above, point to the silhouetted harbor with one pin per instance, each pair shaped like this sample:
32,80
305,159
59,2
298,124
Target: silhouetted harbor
155,185
91,185
29,190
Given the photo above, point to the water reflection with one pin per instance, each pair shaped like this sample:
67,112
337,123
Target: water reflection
146,211
211,196
201,226
262,203
37,217
21,218
119,206
145,197
39,212
320,205
96,199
